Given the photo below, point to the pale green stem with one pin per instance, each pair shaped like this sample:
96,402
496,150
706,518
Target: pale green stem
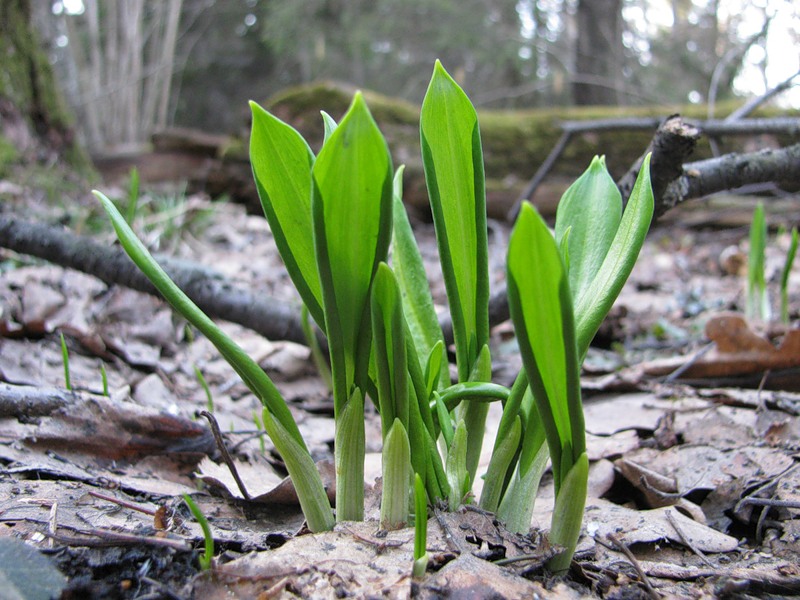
396,460
516,509
349,448
567,520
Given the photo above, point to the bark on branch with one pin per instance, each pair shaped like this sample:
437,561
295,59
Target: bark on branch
216,296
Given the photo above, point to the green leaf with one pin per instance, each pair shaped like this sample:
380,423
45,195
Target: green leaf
445,422
453,162
594,303
503,454
785,272
418,306
291,442
456,467
420,517
396,471
541,310
253,375
516,508
591,208
281,162
433,368
329,124
208,554
388,330
305,476
352,219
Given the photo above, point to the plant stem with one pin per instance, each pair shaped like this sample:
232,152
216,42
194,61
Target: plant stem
349,451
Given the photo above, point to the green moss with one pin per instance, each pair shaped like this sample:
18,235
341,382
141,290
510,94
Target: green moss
8,156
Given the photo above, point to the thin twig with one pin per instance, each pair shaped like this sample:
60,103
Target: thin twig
212,421
689,363
541,173
685,538
53,523
123,503
163,589
770,502
451,540
629,555
115,538
754,103
379,544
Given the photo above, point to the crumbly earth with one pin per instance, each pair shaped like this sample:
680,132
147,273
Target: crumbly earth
694,484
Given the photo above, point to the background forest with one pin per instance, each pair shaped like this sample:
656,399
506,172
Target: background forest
129,68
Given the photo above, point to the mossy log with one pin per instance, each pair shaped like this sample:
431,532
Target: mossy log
515,142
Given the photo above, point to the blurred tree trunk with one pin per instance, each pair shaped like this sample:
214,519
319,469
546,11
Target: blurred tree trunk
598,53
35,127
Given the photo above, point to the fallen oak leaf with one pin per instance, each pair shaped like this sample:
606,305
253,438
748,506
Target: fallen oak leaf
737,351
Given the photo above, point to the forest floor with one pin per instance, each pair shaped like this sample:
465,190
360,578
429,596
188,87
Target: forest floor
694,483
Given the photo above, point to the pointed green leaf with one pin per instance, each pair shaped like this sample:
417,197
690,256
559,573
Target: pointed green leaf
757,301
252,375
282,161
329,124
591,208
418,306
351,207
433,368
593,305
541,310
453,162
503,454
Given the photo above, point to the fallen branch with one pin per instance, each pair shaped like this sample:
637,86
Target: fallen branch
215,295
729,172
713,128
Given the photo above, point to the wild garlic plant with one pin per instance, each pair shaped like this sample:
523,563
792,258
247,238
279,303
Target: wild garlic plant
336,217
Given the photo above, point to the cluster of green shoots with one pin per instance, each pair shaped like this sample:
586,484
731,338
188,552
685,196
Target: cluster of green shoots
336,218
757,303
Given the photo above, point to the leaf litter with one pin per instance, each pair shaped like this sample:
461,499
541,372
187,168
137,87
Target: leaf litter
694,488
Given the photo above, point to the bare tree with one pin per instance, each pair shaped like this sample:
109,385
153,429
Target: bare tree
122,54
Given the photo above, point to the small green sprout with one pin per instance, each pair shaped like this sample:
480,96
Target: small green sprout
204,384
757,299
208,554
787,269
420,528
104,378
65,359
262,445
